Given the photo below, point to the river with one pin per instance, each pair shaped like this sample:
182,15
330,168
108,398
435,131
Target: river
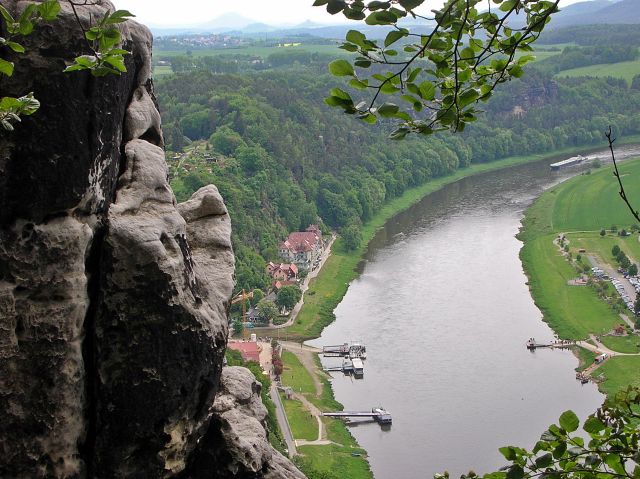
443,307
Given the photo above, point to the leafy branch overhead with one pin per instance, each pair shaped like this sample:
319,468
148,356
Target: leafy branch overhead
433,81
102,39
607,449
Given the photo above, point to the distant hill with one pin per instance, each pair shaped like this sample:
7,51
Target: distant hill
598,12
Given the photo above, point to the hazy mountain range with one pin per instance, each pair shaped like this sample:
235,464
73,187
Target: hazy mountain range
583,13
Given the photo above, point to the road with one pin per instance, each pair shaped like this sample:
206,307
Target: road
282,421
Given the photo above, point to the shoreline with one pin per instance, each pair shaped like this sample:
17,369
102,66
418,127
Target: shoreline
332,283
536,231
318,313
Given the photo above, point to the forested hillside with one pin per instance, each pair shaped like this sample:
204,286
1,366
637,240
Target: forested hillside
282,158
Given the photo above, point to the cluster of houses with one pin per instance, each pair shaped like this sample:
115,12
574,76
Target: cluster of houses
301,251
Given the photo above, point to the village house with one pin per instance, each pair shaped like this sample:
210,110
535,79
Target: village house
249,350
282,271
303,248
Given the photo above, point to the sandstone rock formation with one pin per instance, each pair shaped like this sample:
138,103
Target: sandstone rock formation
113,299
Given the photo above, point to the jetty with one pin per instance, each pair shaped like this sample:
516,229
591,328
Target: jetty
347,350
381,415
353,366
532,345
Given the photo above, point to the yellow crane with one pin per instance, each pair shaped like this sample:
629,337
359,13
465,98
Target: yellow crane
243,296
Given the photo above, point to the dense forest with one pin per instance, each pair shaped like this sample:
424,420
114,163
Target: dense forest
283,159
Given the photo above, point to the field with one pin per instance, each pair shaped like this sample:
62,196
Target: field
625,70
580,208
343,453
254,51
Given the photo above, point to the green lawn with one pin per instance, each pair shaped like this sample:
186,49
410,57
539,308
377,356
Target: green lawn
338,460
303,424
620,372
591,202
572,311
594,244
256,51
584,205
624,344
295,375
625,70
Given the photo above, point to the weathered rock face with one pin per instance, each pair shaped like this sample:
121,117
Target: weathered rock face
236,444
113,299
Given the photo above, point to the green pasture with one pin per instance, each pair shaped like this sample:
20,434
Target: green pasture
254,51
303,424
295,375
624,70
572,311
623,344
620,372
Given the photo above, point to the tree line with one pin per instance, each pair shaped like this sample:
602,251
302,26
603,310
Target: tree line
282,159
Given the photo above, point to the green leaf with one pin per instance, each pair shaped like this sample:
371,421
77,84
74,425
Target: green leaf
515,472
569,421
117,62
467,97
354,36
6,68
118,16
49,10
335,6
427,90
16,47
593,425
6,15
544,461
26,27
341,68
381,18
393,36
376,5
410,4
388,110
509,453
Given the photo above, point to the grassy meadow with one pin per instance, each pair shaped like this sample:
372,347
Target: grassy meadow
624,70
580,208
343,453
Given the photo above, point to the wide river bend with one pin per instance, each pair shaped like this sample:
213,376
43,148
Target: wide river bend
443,307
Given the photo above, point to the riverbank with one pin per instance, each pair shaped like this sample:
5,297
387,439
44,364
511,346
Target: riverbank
327,290
579,209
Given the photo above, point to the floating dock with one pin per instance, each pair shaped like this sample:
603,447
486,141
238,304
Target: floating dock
379,414
347,350
350,366
532,345
574,160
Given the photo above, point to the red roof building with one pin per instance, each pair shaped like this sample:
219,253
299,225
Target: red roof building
282,271
249,350
303,248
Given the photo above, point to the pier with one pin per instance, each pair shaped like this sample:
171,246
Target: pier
349,366
532,345
379,414
352,351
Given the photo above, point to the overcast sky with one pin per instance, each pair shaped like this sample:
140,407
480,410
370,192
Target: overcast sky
276,12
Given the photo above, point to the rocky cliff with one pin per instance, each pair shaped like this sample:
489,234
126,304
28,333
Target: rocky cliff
113,298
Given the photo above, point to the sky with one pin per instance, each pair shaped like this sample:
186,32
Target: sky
273,12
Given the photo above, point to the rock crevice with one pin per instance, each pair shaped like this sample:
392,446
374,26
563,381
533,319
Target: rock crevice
113,298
